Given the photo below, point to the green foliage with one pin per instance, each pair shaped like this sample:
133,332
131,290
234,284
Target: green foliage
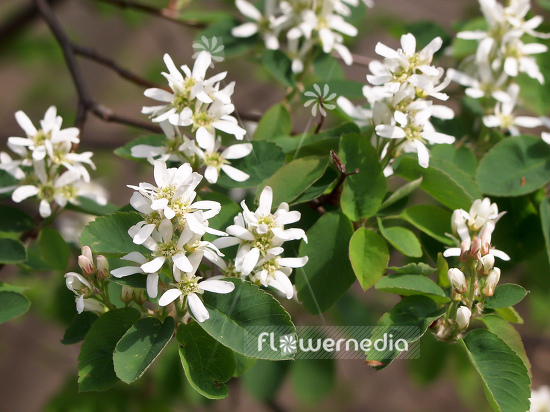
514,167
12,251
545,223
369,256
79,327
505,295
432,220
235,317
401,193
109,234
96,370
275,122
279,66
14,220
328,273
90,207
504,375
207,363
407,285
342,87
313,379
264,160
363,192
12,304
140,346
402,239
53,248
264,379
232,46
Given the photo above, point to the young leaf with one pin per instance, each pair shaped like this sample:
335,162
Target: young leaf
414,269
238,318
527,160
140,346
369,256
79,327
504,375
328,273
363,192
407,285
505,295
275,122
207,363
291,180
401,193
12,251
12,304
431,220
402,239
53,248
96,370
109,234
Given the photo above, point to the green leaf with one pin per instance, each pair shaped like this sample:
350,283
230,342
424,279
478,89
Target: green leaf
414,269
6,287
109,234
401,193
7,180
505,295
313,379
510,314
275,122
150,140
12,251
425,31
53,248
407,285
438,183
402,239
264,379
413,311
14,220
96,370
527,167
442,271
369,256
509,335
504,375
90,207
319,187
207,363
264,160
238,318
12,304
462,157
242,364
291,180
545,223
328,273
140,346
79,327
137,281
326,67
363,192
342,87
279,66
431,220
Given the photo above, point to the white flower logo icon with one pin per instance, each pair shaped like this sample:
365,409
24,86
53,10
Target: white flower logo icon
287,343
319,100
214,46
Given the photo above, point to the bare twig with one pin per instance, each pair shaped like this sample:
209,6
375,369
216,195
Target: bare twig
167,13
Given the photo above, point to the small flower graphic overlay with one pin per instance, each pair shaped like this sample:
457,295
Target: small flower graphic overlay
287,343
319,100
213,45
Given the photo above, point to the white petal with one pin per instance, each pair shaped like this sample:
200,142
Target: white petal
197,307
126,271
153,285
248,10
226,242
23,192
216,286
211,174
240,232
135,257
182,262
423,154
154,265
293,262
159,94
235,174
250,261
391,132
245,30
284,284
527,121
266,200
169,296
499,254
454,251
237,151
25,123
144,233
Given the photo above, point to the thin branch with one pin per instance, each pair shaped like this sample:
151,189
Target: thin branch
85,101
357,59
167,14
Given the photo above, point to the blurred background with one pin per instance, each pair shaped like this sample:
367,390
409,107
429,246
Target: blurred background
39,373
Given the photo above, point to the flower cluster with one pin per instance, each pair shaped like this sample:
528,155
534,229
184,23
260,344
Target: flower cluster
48,168
400,110
478,276
501,55
172,228
305,24
260,236
199,104
90,287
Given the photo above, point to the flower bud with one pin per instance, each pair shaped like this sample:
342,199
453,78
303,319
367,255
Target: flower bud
127,294
140,296
458,224
475,250
485,264
102,267
86,265
485,237
491,282
457,279
92,305
77,283
463,315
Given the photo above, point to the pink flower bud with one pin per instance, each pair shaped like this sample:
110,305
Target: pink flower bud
86,265
457,279
102,267
463,315
485,264
491,282
86,251
476,248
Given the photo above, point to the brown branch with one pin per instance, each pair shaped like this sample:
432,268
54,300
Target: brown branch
167,13
85,101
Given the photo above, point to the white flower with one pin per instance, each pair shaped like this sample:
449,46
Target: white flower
491,282
274,271
265,25
540,399
152,278
191,288
463,315
11,166
486,86
319,100
83,290
457,279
